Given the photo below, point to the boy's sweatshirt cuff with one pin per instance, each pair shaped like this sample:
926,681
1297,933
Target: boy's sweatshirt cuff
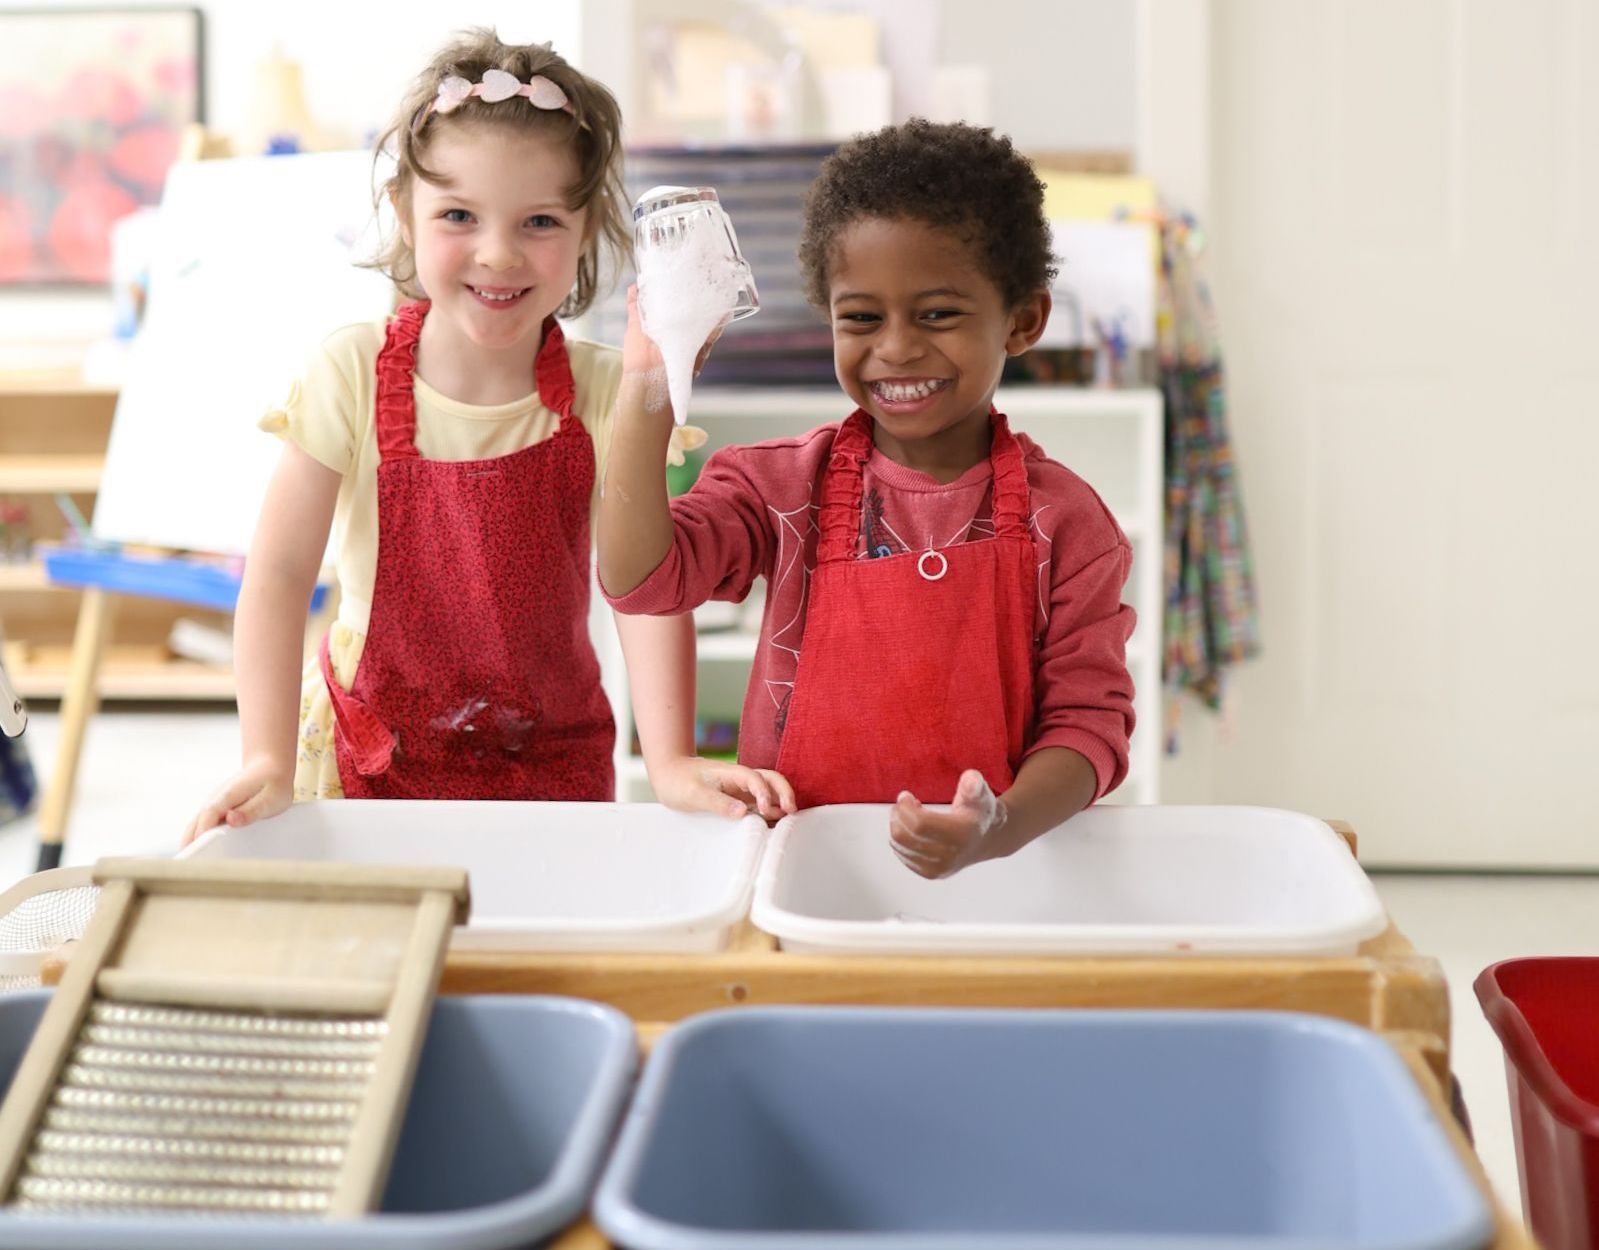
651,597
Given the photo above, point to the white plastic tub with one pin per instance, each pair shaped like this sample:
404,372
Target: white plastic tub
544,876
1112,880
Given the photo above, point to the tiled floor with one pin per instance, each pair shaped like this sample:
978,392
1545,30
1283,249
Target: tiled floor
144,772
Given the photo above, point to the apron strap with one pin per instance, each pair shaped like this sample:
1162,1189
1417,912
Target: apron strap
839,516
396,369
1011,494
552,373
371,742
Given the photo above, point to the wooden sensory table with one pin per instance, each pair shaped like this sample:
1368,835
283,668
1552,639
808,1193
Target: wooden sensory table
1386,986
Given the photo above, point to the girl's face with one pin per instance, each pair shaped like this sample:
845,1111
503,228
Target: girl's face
496,247
920,335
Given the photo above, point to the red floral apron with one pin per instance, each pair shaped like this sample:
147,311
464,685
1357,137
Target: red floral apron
478,679
916,666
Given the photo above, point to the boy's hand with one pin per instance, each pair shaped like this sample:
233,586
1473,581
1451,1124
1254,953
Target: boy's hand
641,358
938,843
690,783
639,353
262,788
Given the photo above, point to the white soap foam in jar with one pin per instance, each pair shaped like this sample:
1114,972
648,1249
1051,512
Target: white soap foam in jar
692,280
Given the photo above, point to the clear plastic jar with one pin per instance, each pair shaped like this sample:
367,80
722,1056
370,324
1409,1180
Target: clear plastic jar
665,218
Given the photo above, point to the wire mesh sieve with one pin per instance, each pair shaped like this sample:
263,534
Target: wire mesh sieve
39,915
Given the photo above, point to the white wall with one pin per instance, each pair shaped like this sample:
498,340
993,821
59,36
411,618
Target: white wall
357,58
1063,73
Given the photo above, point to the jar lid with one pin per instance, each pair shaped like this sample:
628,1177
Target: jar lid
657,198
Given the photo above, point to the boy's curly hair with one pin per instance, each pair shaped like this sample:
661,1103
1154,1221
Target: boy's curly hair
951,175
593,128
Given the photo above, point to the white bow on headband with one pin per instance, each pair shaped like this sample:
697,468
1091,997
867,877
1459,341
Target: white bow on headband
497,85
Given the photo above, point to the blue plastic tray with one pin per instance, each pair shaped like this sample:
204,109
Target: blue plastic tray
891,1128
183,578
514,1103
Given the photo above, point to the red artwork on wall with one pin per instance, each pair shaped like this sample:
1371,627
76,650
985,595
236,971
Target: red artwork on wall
93,104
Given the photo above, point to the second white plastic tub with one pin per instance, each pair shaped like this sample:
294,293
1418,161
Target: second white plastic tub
1112,880
544,876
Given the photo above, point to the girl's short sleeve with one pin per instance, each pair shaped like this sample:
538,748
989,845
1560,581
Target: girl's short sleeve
321,414
597,374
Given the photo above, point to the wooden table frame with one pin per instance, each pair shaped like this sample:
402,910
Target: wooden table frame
1385,986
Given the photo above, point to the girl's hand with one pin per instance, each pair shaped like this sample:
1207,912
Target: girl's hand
940,843
690,783
262,788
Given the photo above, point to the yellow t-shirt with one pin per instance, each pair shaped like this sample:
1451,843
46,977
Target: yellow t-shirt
329,414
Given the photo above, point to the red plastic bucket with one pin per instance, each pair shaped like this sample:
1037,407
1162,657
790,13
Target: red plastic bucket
1546,1013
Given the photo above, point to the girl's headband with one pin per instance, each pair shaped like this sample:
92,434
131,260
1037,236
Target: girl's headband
494,86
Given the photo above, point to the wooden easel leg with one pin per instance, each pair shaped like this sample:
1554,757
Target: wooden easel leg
78,704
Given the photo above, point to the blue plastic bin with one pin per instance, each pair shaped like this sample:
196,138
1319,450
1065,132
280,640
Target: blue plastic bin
514,1103
890,1128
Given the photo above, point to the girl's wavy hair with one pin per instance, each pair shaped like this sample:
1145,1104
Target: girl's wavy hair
593,129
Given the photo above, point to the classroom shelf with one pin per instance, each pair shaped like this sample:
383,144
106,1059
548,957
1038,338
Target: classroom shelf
732,645
48,473
128,672
25,576
53,436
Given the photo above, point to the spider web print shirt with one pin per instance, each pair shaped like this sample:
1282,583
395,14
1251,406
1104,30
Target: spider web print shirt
752,513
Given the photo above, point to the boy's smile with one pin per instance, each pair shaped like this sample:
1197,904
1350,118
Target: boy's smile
920,336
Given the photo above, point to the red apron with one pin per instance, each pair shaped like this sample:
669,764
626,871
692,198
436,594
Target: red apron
478,679
916,666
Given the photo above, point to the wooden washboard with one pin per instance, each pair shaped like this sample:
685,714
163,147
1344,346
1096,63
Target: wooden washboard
230,1037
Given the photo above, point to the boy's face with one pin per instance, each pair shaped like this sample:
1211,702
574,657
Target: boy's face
920,336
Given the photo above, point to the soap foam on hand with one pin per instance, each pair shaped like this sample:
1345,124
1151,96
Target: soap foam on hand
686,293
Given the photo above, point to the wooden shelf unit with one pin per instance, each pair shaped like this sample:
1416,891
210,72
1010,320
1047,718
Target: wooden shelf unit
53,435
128,671
33,475
28,576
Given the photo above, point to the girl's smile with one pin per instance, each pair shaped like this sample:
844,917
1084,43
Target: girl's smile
499,297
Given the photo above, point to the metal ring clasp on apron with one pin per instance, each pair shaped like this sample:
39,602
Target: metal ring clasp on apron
943,565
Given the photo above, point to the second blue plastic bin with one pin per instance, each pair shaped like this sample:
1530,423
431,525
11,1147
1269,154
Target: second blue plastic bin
885,1128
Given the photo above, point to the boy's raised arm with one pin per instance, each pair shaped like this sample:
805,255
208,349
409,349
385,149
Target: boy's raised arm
634,527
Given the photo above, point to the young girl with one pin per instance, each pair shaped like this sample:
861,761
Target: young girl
454,449
943,619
